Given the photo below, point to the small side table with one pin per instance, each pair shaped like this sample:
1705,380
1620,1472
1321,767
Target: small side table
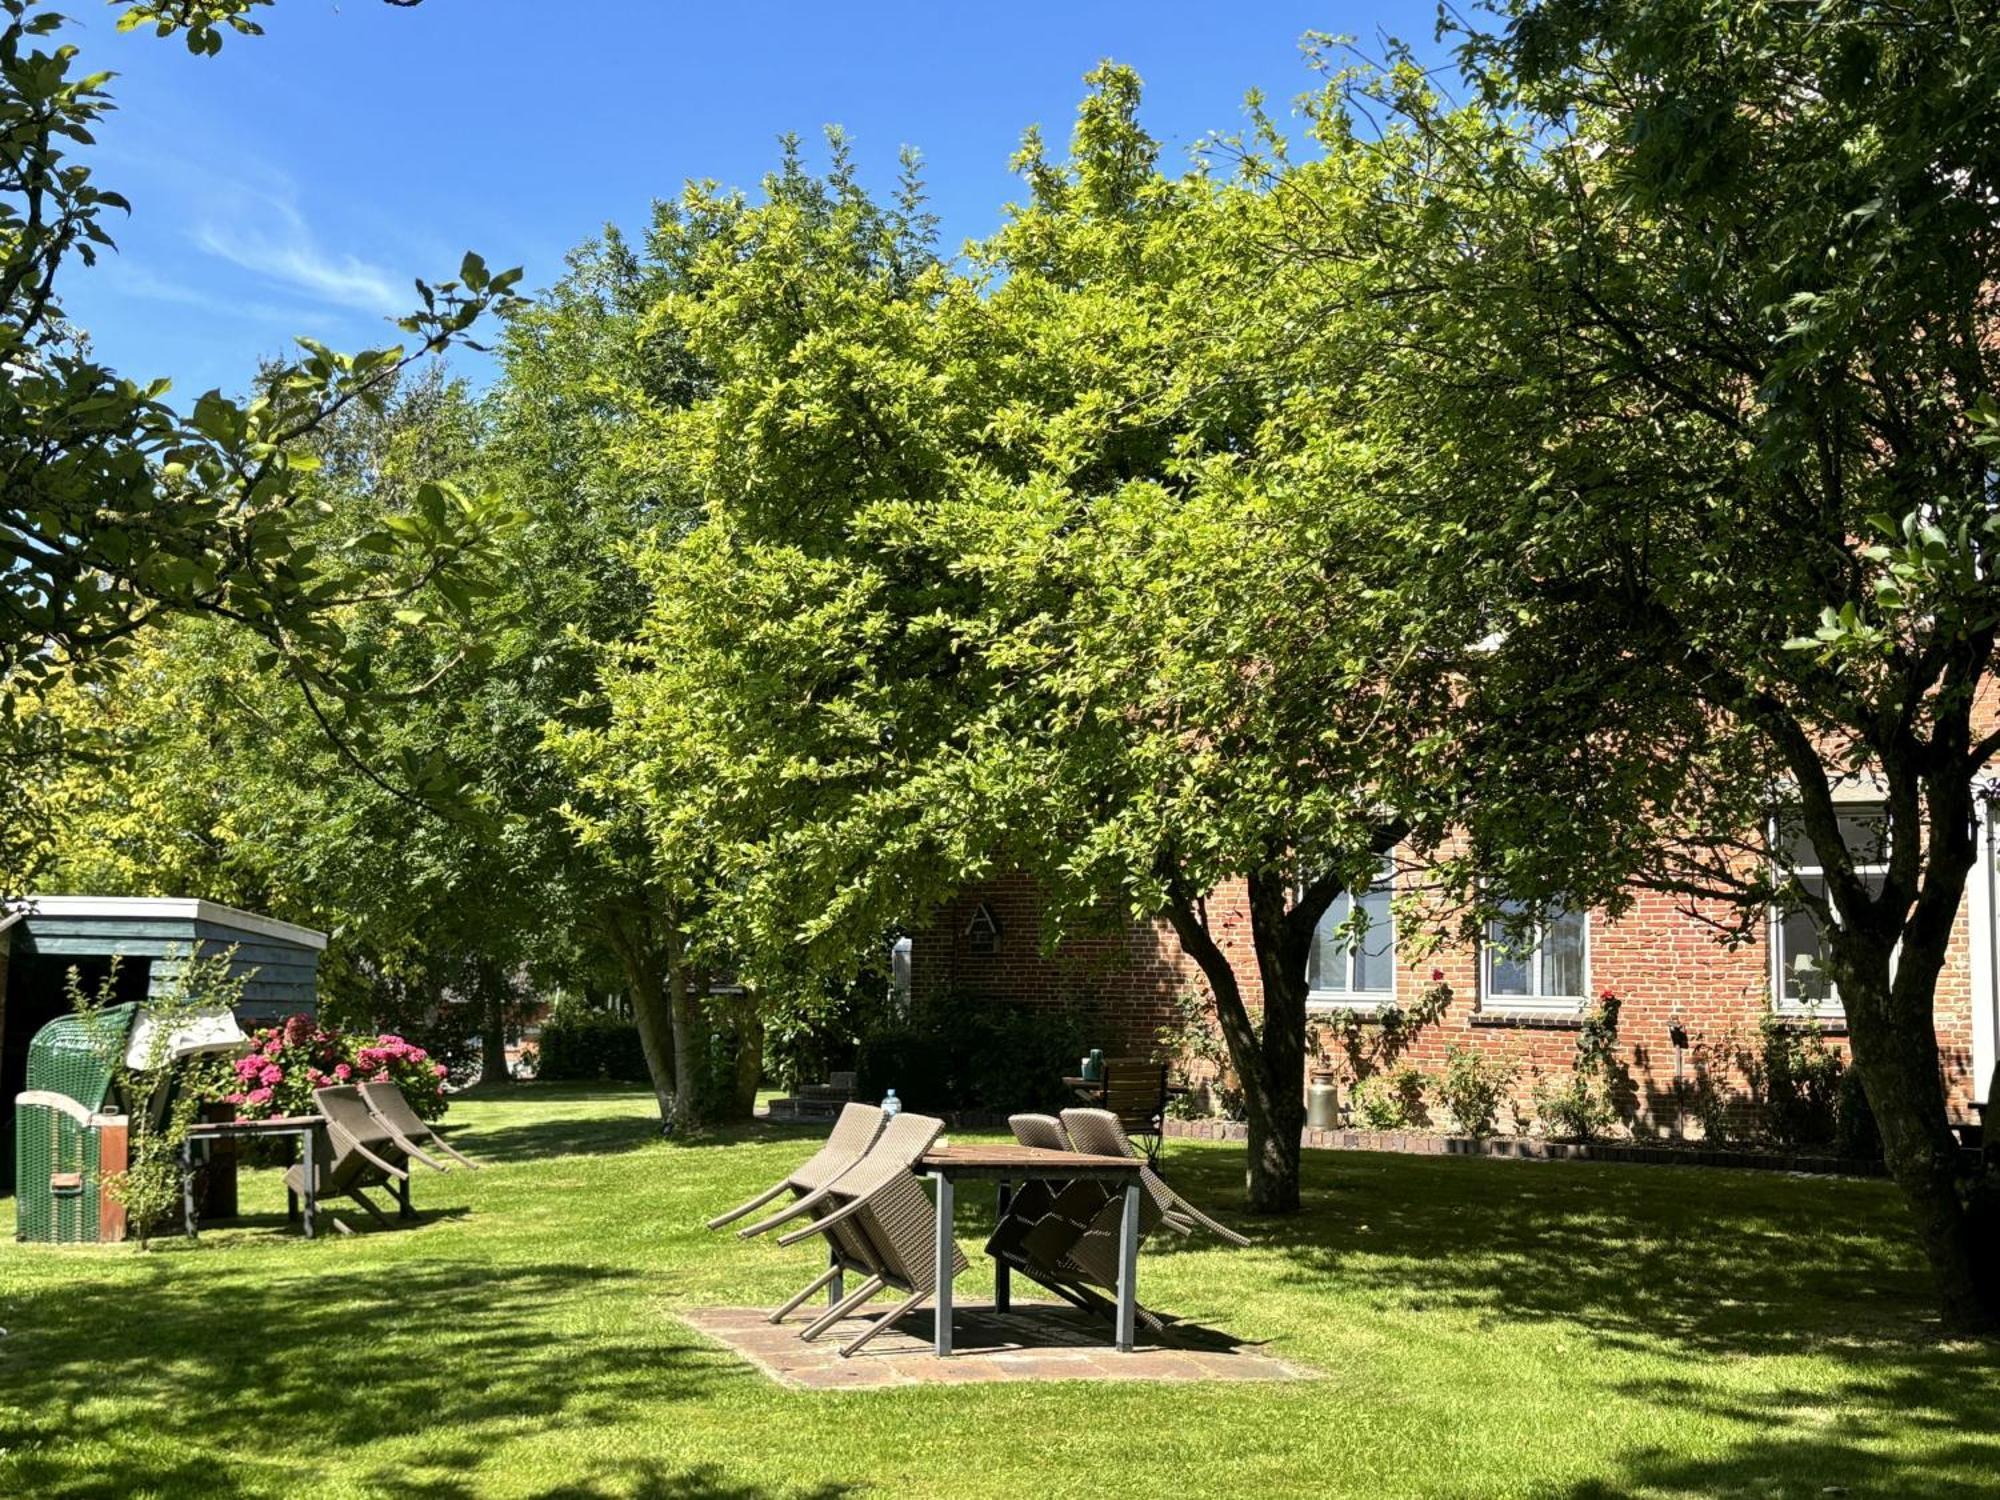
306,1128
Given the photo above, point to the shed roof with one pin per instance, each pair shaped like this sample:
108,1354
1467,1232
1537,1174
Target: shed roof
180,908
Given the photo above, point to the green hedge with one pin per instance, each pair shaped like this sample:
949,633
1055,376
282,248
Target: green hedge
971,1054
586,1046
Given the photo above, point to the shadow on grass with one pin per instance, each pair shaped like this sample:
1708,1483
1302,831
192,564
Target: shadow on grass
540,1134
1801,1443
108,1385
647,1480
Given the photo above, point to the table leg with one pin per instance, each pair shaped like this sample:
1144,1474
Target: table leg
941,1295
836,1288
310,1197
1002,1276
1128,1267
187,1187
403,1209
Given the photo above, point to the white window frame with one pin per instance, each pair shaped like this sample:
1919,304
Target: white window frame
1537,1004
1363,1001
1831,1008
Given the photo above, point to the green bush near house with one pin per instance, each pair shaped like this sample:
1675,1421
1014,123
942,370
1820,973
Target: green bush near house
585,1046
971,1054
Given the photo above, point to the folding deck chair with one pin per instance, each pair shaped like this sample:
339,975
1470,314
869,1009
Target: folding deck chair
878,1221
365,1155
1097,1132
415,1135
852,1134
1064,1237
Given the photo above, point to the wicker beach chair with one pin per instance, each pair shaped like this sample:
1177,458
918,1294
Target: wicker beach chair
879,1222
1097,1132
365,1155
852,1134
415,1135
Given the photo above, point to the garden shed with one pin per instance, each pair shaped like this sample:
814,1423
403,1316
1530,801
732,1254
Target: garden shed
43,937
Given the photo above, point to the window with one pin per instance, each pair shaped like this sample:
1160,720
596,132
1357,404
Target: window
1353,959
1544,963
1798,975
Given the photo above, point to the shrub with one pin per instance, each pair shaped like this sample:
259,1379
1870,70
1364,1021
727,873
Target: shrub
584,1046
1796,1081
1194,1036
1390,1101
288,1062
1856,1135
1576,1109
1585,1104
1473,1086
975,1055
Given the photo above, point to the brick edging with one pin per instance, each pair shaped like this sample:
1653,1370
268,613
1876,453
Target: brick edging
1525,1148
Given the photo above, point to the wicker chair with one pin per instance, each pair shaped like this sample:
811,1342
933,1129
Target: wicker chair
1135,1090
365,1155
1099,1133
415,1135
880,1223
852,1134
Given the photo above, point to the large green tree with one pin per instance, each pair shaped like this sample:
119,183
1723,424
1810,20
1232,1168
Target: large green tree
122,508
1694,386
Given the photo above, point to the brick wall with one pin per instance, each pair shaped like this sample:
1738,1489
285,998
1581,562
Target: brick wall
1666,966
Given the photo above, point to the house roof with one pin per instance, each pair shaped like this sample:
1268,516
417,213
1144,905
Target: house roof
181,908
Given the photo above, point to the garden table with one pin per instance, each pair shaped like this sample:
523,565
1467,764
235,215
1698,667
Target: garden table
1006,1165
306,1128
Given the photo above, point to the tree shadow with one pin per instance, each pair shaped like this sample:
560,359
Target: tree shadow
647,1480
1804,1443
336,1360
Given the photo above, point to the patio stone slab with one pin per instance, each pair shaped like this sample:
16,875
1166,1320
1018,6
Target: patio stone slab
1035,1341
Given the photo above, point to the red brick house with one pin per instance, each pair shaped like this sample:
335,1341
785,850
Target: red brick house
1672,975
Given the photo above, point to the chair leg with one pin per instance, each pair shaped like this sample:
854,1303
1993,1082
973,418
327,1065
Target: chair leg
901,1309
373,1212
869,1288
455,1154
793,1305
744,1208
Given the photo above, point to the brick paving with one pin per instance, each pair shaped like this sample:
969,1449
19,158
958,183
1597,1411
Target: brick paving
1035,1341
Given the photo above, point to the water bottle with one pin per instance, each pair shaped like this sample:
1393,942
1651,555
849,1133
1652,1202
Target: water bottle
891,1105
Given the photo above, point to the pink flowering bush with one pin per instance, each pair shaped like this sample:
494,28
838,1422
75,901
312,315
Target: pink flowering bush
287,1062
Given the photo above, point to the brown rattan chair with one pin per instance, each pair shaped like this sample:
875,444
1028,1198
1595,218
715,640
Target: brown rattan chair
365,1155
415,1135
852,1134
882,1224
1098,1132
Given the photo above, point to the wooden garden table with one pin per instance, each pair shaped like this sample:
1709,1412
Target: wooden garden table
306,1127
1006,1165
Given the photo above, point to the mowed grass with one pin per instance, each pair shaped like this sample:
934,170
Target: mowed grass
1483,1328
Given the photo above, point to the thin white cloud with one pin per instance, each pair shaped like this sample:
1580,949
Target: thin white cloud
129,279
267,235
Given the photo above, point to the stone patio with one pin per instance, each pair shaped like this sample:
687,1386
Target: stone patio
1034,1341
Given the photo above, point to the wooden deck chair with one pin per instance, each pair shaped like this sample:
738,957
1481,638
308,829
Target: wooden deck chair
364,1155
852,1134
1135,1092
414,1134
1099,1133
903,1139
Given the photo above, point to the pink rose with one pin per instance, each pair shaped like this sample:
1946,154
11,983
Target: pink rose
438,1069
273,1047
342,1071
257,1096
272,1076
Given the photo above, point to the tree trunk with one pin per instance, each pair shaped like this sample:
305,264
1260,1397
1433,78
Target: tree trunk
645,982
1270,1066
493,996
1895,1047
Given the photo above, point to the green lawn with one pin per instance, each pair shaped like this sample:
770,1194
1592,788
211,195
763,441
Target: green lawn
1485,1328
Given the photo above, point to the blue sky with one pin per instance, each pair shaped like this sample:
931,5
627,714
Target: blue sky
299,181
